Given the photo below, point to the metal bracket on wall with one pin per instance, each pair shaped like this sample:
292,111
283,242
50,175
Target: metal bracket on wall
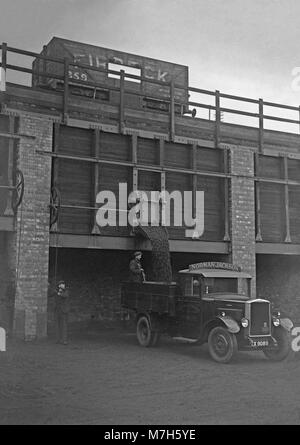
18,192
54,207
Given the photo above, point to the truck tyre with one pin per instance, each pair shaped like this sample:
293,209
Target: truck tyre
283,349
155,339
145,336
222,345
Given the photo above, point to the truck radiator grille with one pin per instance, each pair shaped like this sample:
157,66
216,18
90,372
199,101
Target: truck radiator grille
260,323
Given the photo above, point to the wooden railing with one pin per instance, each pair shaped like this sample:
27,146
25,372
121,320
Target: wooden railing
121,88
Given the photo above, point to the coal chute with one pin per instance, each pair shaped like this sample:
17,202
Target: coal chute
160,259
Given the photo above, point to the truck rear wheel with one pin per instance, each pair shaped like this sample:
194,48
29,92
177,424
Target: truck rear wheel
222,345
146,337
282,350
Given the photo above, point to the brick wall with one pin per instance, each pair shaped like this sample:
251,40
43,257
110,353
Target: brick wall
94,279
278,279
242,210
7,279
31,244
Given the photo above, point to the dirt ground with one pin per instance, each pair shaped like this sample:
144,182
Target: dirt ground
106,378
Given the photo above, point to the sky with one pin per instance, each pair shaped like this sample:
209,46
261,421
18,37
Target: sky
240,47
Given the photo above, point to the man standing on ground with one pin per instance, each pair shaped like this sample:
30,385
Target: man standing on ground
61,312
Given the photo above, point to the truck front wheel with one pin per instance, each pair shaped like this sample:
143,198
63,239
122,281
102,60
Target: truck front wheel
283,346
222,345
146,337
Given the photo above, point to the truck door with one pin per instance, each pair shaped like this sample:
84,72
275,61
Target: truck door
189,307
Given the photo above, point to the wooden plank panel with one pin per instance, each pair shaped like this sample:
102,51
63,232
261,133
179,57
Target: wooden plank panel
74,181
209,159
115,147
110,176
4,123
294,169
180,182
214,207
75,141
149,181
4,142
271,167
272,212
178,155
294,201
148,151
214,219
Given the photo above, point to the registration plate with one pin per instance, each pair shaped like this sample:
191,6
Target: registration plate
258,343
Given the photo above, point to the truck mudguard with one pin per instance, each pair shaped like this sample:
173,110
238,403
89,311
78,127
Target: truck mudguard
230,324
287,324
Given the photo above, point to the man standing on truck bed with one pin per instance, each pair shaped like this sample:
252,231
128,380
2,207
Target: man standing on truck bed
137,274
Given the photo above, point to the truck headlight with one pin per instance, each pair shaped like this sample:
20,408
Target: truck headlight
276,321
244,322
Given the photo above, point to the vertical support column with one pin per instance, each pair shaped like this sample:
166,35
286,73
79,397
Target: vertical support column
195,185
134,188
95,229
135,179
172,111
122,103
7,279
257,199
261,125
134,147
56,130
218,119
3,67
242,209
226,196
286,202
56,149
66,90
161,152
162,180
32,230
9,211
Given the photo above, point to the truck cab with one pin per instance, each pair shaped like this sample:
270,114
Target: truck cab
210,303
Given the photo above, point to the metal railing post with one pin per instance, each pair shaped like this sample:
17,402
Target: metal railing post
261,125
287,202
10,168
172,111
122,112
66,90
218,119
226,196
3,67
257,199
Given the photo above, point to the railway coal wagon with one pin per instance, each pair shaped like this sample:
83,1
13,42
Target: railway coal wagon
94,72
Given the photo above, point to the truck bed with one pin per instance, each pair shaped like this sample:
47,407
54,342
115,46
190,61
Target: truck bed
156,297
